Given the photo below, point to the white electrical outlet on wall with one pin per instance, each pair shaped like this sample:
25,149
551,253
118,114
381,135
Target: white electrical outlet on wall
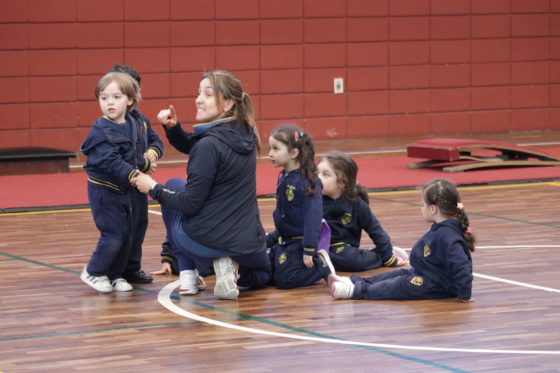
338,85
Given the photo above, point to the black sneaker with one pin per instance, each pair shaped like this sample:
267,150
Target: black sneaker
138,277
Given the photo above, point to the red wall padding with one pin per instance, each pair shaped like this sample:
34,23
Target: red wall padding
410,68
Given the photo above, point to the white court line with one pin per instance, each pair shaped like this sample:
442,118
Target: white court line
164,298
511,282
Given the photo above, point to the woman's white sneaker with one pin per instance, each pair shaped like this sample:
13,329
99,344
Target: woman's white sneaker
99,283
226,278
120,284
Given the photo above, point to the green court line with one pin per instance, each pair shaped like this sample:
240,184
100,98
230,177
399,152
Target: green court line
237,315
66,334
17,257
515,220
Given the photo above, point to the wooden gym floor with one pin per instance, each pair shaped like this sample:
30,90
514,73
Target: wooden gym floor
52,322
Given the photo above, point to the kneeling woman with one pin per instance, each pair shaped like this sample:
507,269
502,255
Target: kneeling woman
214,215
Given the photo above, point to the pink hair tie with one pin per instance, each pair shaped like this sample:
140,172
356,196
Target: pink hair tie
460,206
468,230
296,136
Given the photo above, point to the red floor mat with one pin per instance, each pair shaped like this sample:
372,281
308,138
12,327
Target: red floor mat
32,191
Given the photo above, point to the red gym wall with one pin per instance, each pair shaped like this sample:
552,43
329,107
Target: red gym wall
410,67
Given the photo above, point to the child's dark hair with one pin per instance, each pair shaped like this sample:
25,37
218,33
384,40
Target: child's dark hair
346,172
444,194
294,138
125,69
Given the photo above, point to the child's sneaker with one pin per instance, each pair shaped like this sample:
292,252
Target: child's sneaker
99,283
325,257
226,278
341,287
191,282
120,284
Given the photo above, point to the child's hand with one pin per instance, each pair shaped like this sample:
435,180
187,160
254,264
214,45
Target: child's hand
168,116
308,261
149,155
470,300
401,255
165,270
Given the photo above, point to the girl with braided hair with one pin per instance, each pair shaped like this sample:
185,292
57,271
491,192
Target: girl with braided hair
296,255
441,260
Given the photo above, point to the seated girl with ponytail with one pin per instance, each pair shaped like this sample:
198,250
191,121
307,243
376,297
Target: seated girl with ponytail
441,260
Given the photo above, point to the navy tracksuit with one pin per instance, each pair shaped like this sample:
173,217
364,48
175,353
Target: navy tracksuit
297,219
147,140
111,163
441,268
347,219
